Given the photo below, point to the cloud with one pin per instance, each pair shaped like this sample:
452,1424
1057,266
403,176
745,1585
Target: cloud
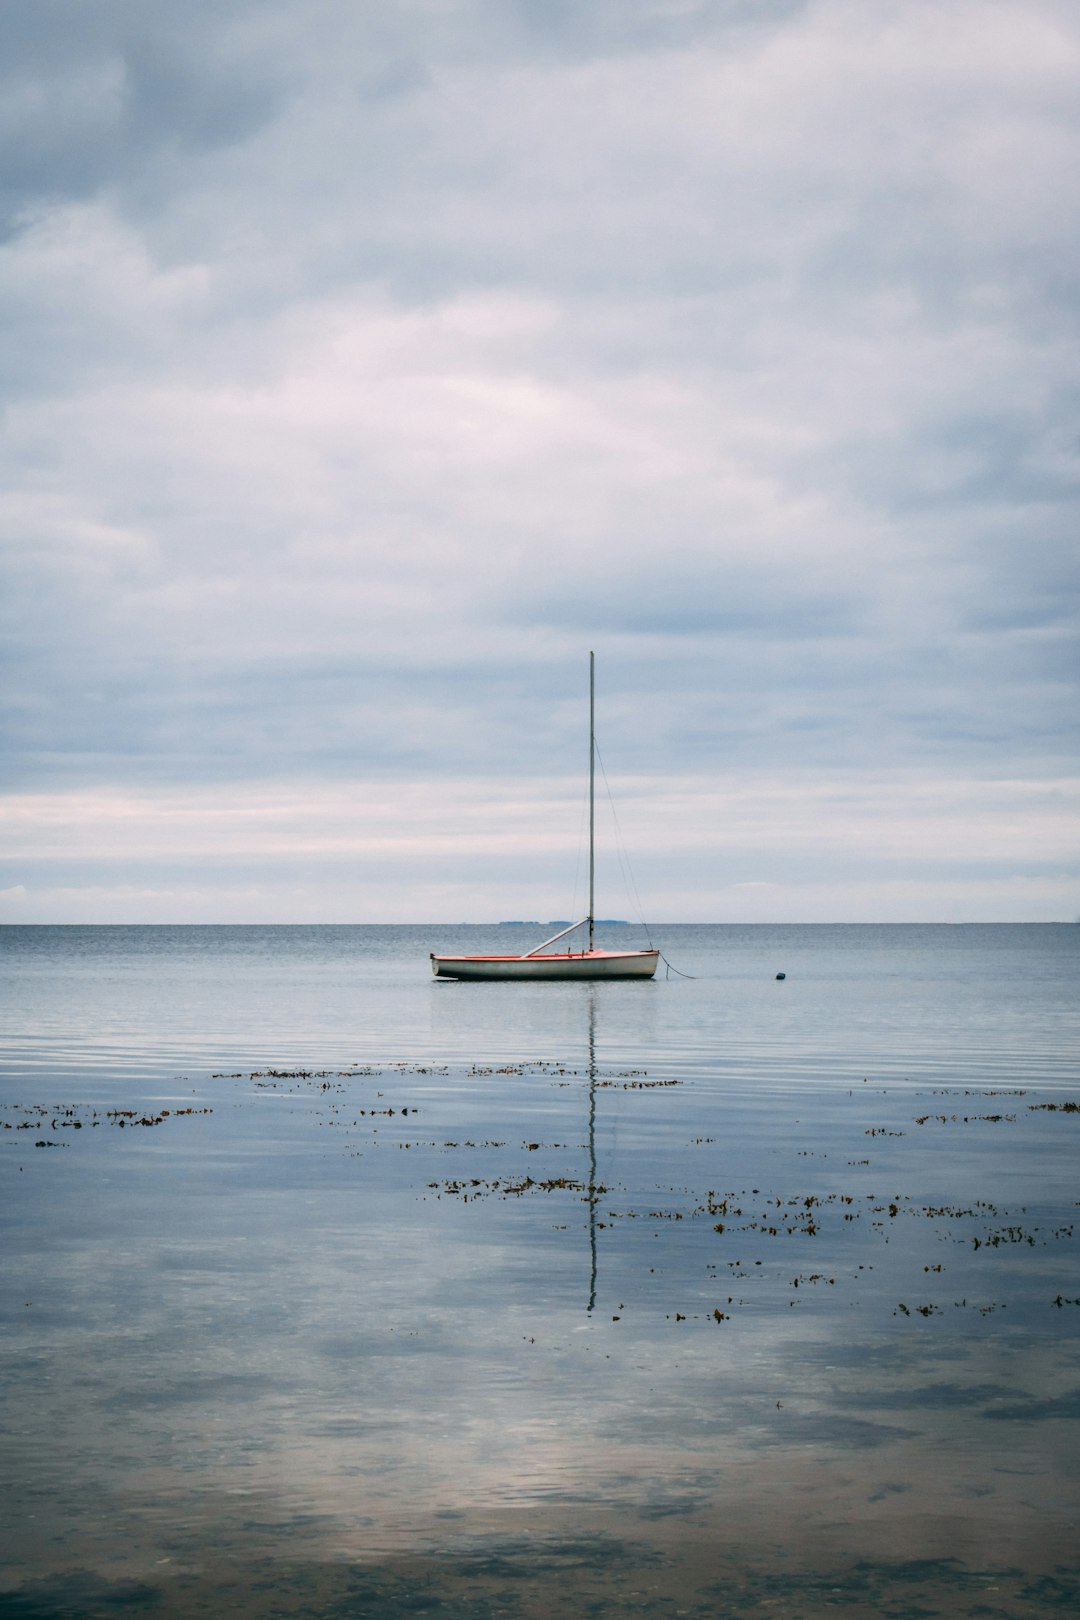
703,847
362,369
95,96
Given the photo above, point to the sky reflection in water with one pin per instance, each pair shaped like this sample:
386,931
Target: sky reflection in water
741,1320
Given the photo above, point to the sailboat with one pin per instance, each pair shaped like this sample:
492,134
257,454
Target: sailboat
540,962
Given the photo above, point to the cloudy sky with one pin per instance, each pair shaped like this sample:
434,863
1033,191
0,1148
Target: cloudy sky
365,365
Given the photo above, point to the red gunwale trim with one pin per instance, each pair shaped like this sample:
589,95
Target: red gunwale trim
551,956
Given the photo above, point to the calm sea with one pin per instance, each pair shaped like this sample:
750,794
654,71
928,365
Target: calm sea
332,1290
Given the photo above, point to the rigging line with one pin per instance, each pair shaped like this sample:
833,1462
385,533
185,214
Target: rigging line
580,849
628,874
623,857
621,851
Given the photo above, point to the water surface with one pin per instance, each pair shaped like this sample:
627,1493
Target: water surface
333,1289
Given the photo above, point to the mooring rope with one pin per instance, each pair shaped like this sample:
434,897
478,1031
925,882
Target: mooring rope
671,968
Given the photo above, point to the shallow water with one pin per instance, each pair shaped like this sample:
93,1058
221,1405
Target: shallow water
330,1289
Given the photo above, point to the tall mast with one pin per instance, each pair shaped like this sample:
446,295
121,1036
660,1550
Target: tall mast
592,787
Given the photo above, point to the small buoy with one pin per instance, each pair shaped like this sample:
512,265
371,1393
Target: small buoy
781,975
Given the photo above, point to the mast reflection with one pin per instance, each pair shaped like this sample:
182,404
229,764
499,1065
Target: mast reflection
591,1193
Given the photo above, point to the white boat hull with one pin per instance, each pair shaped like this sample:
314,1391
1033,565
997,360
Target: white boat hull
555,965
